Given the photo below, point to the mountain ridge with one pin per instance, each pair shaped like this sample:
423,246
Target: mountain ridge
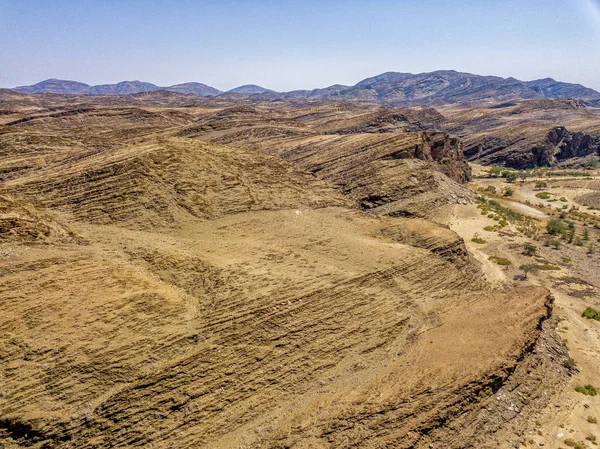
388,88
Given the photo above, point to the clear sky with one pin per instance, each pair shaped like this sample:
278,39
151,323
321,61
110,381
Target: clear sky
286,45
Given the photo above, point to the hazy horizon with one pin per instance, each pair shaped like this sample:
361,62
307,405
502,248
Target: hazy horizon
286,46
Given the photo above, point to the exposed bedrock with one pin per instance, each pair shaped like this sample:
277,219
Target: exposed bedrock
562,144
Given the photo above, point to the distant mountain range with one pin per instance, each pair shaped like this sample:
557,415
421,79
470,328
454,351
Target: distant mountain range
391,88
54,86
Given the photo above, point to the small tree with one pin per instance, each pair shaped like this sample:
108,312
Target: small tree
526,268
511,176
541,185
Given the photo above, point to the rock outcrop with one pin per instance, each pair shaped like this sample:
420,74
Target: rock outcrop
562,144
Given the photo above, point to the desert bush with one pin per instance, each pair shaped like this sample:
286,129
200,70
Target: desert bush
549,266
496,171
529,249
526,268
570,363
555,226
543,195
588,390
591,314
592,420
575,444
477,239
491,189
500,260
541,185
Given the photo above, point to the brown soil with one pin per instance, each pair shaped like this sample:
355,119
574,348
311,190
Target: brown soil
178,277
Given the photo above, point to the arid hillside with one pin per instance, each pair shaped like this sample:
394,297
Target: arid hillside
527,134
190,273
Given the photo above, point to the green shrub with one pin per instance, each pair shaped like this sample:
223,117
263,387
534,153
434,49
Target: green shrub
541,185
477,239
563,199
591,438
491,189
490,228
496,170
500,260
569,363
549,266
591,314
555,226
588,390
543,195
575,444
529,249
592,420
510,176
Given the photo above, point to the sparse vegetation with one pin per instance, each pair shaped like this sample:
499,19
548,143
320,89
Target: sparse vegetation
570,363
529,249
588,390
496,171
575,444
500,260
526,268
555,226
543,195
479,240
591,314
549,266
592,420
541,185
510,176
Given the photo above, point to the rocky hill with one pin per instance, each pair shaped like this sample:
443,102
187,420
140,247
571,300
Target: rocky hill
527,134
225,275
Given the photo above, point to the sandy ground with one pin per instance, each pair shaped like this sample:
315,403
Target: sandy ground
575,287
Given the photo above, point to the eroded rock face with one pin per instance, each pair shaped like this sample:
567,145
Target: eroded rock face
562,144
448,153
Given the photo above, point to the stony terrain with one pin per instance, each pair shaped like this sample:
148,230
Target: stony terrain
527,134
182,272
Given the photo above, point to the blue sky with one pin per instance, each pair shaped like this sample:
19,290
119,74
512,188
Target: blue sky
286,45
